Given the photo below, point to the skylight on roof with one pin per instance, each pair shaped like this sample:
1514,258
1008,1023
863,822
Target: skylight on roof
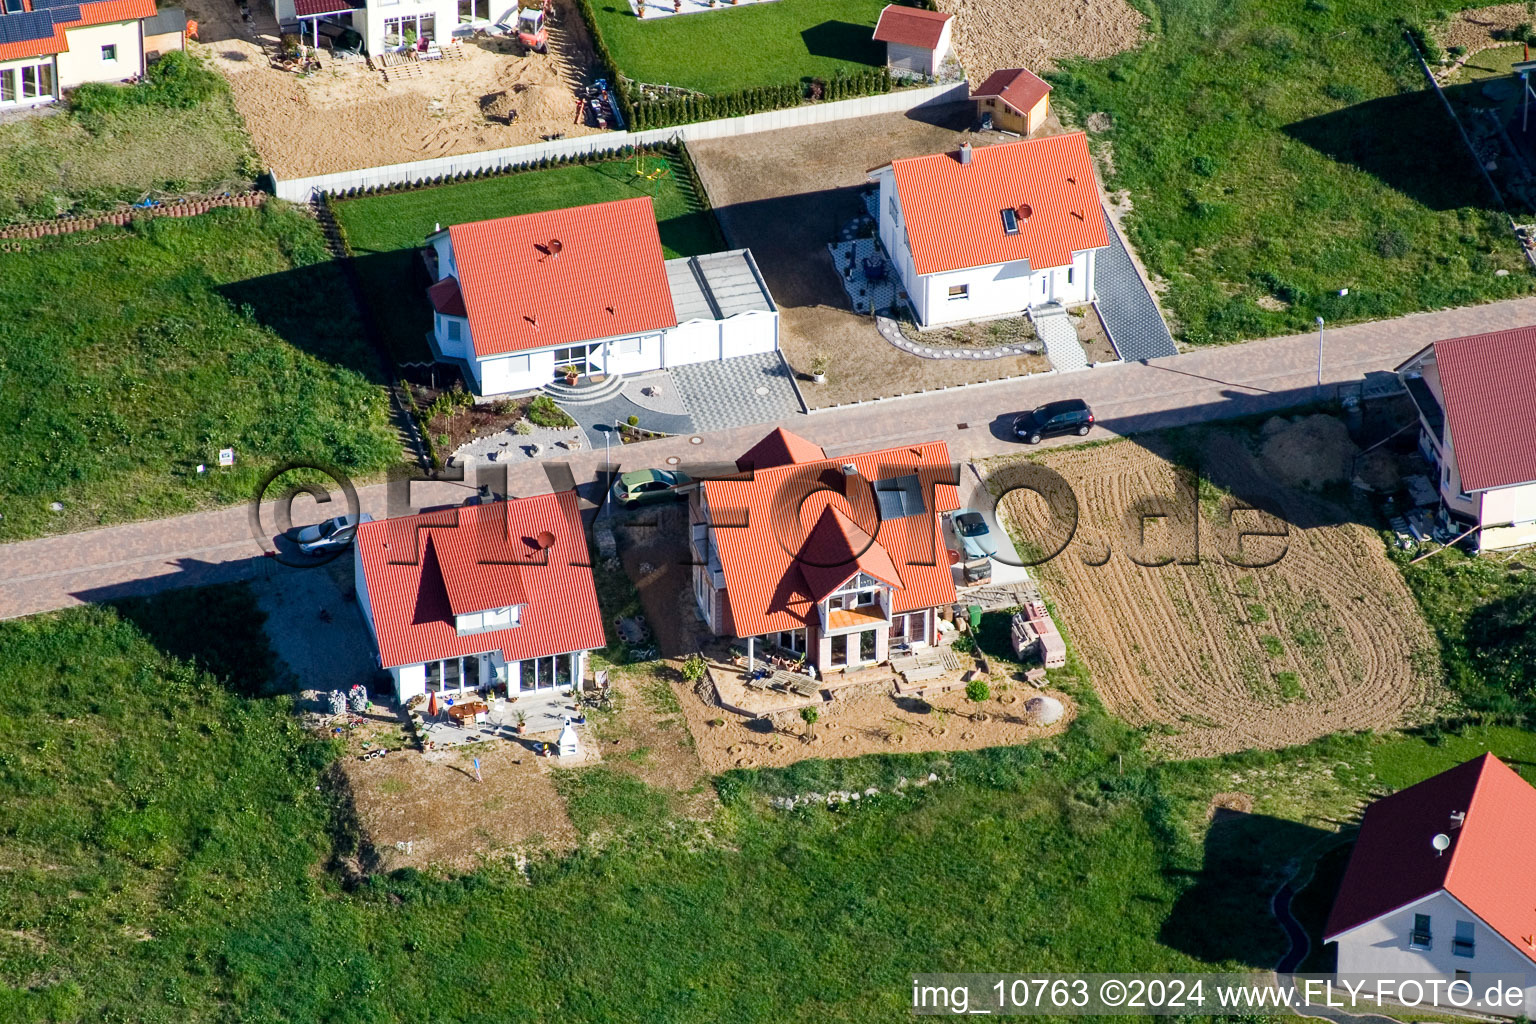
1010,222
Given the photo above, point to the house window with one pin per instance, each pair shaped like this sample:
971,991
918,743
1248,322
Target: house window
455,329
1010,221
1420,938
12,6
789,639
1069,275
519,364
8,85
109,52
629,347
959,291
1465,942
892,204
36,81
1463,976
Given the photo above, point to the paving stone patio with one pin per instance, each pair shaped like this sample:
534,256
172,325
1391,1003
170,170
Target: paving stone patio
1130,316
738,391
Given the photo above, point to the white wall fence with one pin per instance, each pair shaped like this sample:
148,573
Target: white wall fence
301,190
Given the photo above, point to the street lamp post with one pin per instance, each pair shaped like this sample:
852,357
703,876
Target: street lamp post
1319,356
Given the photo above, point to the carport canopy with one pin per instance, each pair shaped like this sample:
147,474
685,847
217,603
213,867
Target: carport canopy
313,10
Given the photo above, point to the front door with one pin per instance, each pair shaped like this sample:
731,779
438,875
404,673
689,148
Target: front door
587,359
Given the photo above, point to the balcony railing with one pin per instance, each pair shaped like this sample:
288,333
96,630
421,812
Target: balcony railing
1420,940
1463,947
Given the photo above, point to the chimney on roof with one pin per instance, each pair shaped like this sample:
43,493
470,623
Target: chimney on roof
849,469
965,152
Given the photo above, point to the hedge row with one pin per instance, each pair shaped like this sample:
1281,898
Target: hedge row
663,113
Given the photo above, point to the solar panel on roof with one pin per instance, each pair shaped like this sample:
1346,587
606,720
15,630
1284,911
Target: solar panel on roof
25,27
63,15
899,497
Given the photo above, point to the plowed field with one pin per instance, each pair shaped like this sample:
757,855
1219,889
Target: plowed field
1220,657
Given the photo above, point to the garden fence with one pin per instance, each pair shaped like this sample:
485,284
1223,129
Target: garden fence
448,168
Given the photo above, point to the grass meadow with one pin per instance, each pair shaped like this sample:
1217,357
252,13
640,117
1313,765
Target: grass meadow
727,50
176,133
387,231
171,846
1279,151
128,356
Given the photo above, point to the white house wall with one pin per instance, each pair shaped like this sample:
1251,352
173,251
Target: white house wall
370,23
1515,505
521,372
1004,289
84,62
1381,947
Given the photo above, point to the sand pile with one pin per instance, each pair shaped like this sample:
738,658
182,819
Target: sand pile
1311,452
1043,710
1378,471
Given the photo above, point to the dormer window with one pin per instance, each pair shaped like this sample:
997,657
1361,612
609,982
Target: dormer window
493,618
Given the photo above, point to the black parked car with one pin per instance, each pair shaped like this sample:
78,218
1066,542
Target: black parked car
1071,416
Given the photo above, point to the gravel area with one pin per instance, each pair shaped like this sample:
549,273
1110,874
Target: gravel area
1035,34
510,446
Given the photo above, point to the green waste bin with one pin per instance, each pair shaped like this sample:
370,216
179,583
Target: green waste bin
974,612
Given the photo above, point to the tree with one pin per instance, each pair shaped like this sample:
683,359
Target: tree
809,715
977,691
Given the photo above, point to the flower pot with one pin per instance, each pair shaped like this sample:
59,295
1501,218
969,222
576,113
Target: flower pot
570,380
818,378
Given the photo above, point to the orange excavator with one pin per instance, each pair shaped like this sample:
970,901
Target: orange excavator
533,26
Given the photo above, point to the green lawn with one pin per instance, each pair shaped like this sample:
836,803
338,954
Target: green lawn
760,44
172,848
165,141
1483,611
1281,150
386,231
129,356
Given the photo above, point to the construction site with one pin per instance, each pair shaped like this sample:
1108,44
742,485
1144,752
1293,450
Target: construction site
477,85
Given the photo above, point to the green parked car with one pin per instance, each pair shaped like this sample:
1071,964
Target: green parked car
648,486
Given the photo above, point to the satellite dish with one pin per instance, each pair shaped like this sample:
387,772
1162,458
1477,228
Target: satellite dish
1441,842
547,540
555,246
1025,211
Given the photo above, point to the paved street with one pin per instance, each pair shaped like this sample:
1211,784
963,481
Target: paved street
1207,384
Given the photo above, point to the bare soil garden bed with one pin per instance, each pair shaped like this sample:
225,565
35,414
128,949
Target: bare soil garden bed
346,117
868,720
1035,34
1217,657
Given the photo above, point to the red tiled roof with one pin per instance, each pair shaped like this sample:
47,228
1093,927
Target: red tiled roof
1488,381
953,211
446,297
779,546
780,448
314,8
1490,866
607,279
836,548
1016,87
413,605
910,26
44,47
101,12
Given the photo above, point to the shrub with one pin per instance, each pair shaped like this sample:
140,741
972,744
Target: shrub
545,413
178,79
634,421
522,428
977,691
693,668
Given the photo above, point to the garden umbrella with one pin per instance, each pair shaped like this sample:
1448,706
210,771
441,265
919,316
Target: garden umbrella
432,705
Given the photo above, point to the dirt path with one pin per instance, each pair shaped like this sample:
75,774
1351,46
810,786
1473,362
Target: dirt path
346,117
1222,658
